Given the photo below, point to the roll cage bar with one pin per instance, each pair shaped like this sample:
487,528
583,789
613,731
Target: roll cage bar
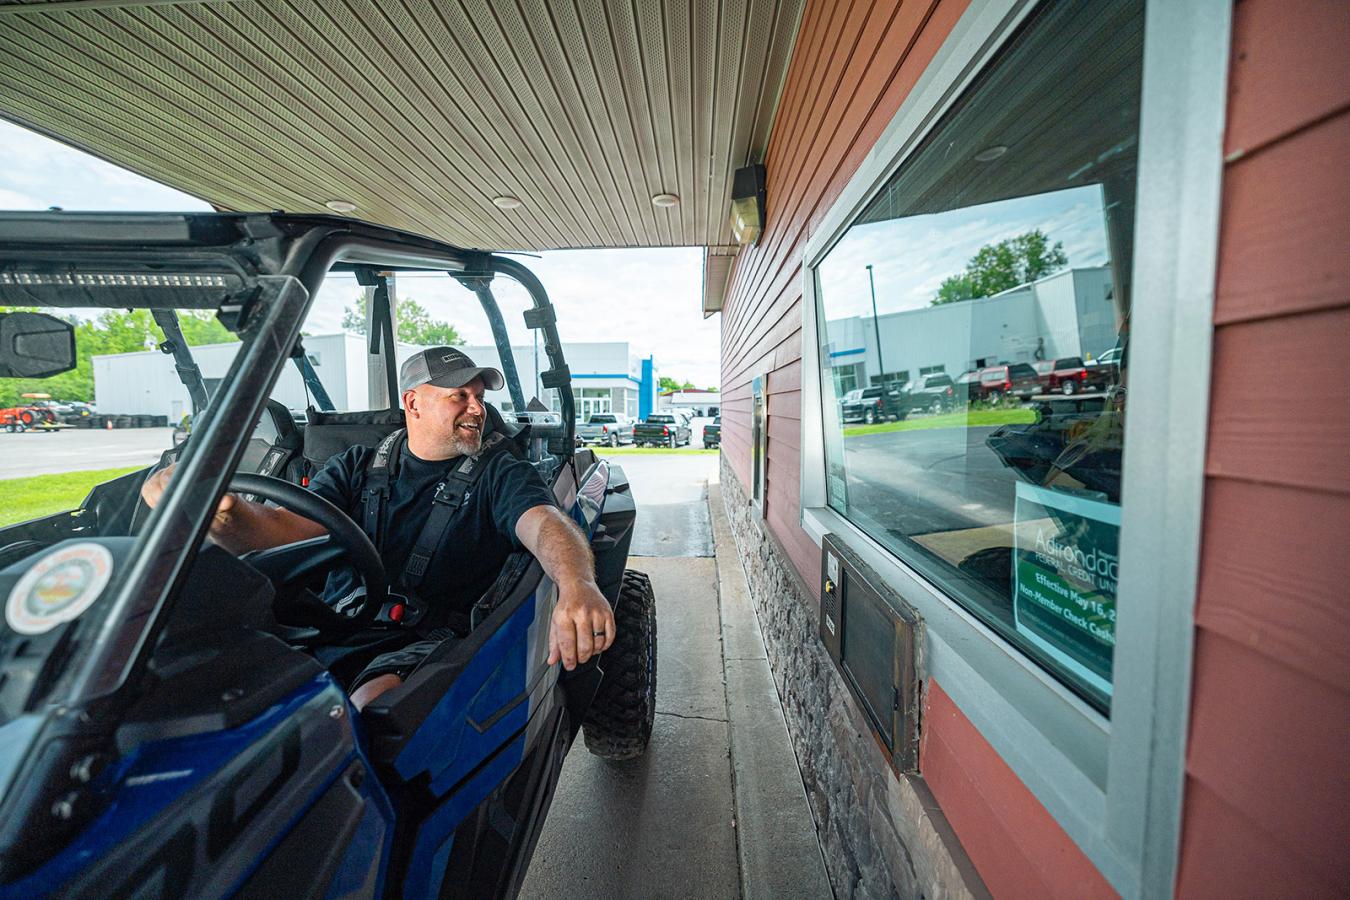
262,273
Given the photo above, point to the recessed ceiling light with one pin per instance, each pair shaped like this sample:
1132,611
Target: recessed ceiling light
991,154
664,200
506,202
341,206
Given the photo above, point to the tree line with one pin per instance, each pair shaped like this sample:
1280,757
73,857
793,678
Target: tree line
112,331
997,267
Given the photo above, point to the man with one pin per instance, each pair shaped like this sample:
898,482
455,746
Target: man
508,507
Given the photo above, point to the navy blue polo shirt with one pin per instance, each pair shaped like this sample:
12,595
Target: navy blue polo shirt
482,531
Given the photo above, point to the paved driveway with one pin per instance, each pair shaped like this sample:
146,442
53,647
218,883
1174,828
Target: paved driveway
79,449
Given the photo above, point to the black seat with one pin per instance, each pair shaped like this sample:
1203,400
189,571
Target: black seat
329,433
273,449
275,446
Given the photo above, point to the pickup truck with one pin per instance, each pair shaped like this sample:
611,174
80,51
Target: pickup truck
1012,380
1068,376
712,434
930,393
873,404
606,428
663,430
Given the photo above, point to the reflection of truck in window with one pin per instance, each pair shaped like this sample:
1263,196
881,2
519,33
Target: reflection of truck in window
1015,380
873,404
1069,376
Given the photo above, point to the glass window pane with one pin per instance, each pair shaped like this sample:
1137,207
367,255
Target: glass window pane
1000,254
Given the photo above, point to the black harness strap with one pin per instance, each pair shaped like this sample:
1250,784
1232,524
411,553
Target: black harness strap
450,494
377,483
449,497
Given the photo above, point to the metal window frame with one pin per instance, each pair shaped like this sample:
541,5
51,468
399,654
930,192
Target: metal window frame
759,442
1115,786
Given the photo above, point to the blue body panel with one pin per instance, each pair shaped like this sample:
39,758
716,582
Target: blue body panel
165,799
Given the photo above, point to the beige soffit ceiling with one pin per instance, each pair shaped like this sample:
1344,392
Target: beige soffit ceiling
419,111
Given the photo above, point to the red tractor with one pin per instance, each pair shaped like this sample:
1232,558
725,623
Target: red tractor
21,418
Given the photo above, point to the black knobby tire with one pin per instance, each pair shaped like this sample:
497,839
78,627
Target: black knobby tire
619,723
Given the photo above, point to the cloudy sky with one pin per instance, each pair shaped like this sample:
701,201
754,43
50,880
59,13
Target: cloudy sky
912,256
649,298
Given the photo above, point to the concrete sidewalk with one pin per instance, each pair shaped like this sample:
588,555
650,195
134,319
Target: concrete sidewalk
716,807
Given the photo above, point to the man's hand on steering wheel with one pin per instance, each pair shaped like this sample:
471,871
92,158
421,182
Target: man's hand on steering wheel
153,489
277,532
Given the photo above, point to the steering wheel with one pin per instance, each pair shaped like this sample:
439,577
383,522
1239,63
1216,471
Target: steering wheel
291,563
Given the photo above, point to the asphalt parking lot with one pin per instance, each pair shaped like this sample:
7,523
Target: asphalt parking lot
79,449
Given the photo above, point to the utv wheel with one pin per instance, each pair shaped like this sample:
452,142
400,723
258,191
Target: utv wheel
619,723
26,417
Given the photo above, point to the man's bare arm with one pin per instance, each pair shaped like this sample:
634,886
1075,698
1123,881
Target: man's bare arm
241,525
583,623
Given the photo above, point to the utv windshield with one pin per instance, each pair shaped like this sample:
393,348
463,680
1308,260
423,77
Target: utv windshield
188,335
161,353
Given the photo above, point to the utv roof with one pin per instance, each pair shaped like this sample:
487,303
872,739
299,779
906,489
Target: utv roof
124,260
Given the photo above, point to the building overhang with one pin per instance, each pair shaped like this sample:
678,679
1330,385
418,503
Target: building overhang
476,124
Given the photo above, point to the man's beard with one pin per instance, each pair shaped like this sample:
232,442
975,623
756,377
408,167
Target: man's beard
464,445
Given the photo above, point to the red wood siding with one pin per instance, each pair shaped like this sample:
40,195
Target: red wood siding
1018,848
853,65
1266,780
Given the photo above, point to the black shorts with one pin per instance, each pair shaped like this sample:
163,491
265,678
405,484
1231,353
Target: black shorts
360,657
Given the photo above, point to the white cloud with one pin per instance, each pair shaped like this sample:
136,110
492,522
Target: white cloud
40,172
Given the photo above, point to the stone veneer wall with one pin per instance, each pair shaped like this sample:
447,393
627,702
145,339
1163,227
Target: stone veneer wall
881,834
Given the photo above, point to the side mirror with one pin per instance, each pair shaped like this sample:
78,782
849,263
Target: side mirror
35,345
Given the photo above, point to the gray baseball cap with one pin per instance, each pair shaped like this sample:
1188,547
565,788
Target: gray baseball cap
445,367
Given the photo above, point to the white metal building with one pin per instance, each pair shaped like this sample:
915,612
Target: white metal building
606,376
1069,313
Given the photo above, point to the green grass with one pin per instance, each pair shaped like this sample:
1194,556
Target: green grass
965,419
23,499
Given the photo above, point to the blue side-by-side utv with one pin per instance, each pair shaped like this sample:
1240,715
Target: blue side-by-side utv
166,729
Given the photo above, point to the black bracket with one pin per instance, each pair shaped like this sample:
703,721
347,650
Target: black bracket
537,318
556,378
233,312
477,274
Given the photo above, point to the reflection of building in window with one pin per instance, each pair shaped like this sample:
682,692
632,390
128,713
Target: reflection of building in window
996,471
1070,313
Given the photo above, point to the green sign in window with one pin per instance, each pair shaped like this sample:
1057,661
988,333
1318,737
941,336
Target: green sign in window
1065,568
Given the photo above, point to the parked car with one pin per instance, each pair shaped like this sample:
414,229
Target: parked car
611,429
712,434
966,388
1066,375
931,393
1012,380
1105,369
874,404
663,430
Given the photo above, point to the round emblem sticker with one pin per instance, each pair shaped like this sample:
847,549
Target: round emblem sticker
60,587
